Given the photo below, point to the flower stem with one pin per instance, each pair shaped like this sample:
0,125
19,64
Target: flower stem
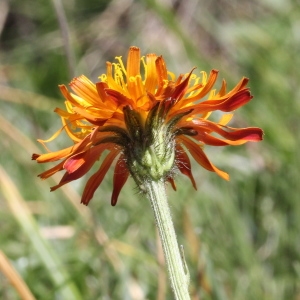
177,269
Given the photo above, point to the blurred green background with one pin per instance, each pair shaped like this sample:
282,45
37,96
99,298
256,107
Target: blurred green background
241,237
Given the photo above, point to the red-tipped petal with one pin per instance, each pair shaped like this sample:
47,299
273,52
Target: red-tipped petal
97,178
229,104
233,136
239,99
76,161
75,174
87,157
78,165
182,87
120,177
201,158
197,96
214,141
253,134
184,165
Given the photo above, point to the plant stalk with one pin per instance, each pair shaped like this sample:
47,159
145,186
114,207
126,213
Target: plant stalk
176,265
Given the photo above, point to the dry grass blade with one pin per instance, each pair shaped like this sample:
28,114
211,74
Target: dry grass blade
16,280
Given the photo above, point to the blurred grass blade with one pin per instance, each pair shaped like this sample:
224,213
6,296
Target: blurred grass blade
22,214
15,279
65,32
34,100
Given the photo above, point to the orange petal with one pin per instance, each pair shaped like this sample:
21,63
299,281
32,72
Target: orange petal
75,136
120,177
120,98
181,88
213,75
151,75
97,178
204,90
76,102
222,90
241,85
102,115
53,156
214,141
64,153
52,171
133,68
162,74
200,157
101,87
237,100
133,62
85,89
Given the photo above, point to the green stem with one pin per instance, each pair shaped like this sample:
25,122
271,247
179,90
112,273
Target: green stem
176,265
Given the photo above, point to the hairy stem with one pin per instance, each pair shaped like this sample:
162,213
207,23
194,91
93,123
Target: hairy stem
175,262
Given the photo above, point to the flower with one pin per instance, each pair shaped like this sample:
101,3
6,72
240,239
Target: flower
149,120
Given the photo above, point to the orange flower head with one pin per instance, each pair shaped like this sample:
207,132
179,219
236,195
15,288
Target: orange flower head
148,120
